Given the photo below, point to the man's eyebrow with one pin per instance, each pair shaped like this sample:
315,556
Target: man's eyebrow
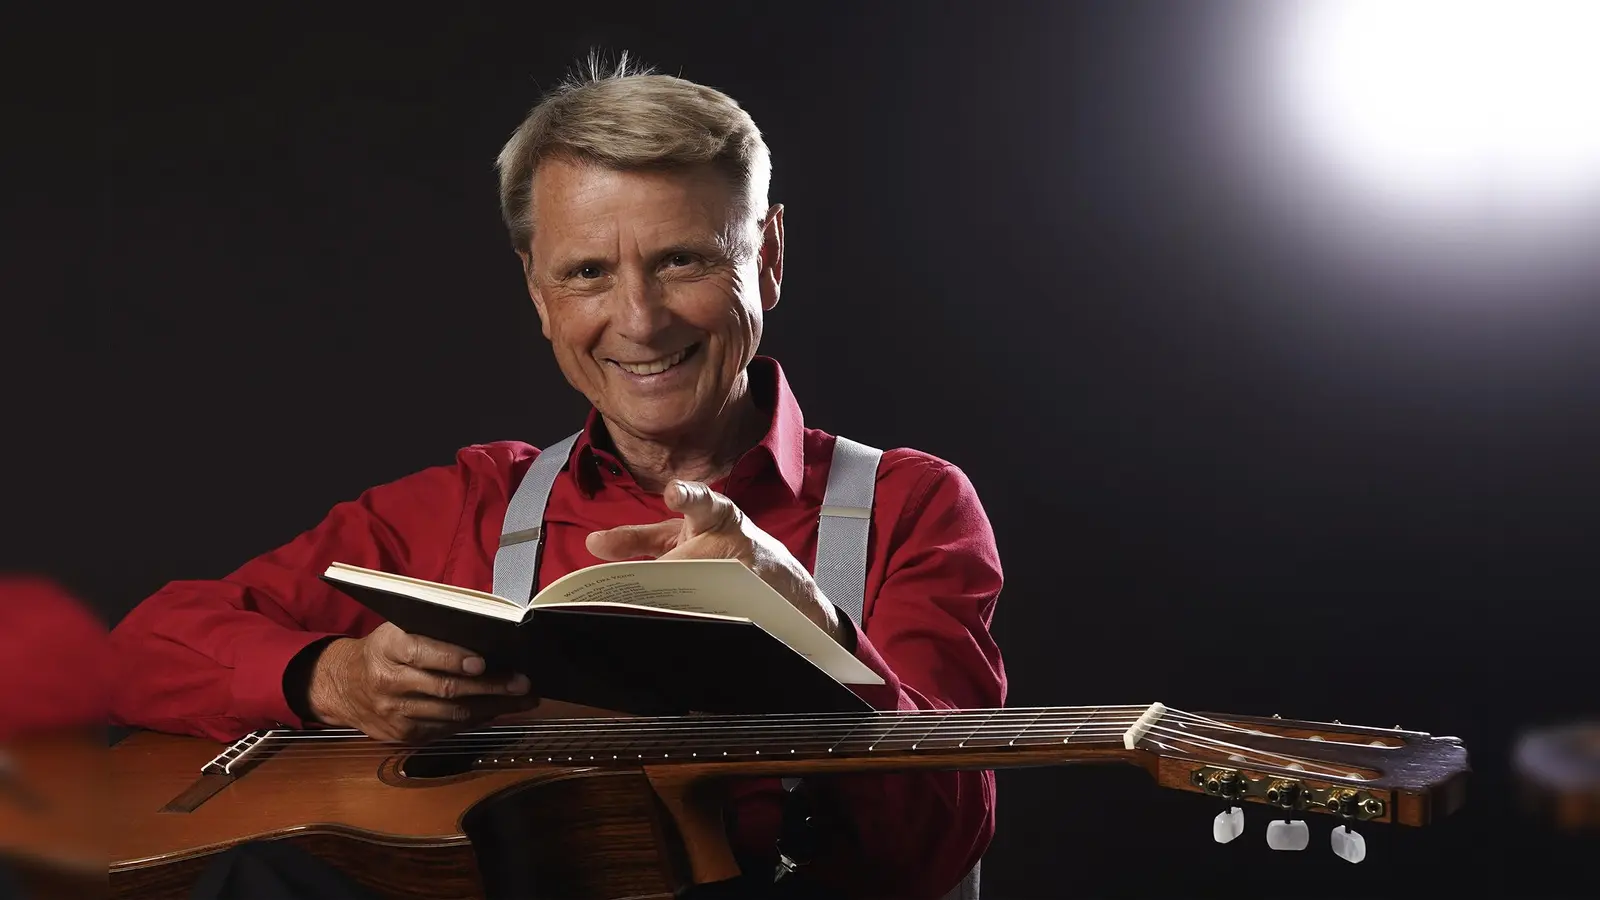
711,244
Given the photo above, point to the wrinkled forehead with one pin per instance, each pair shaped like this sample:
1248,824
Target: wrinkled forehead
577,204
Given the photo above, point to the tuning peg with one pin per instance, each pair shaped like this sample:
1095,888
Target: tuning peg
1228,824
1287,834
1348,845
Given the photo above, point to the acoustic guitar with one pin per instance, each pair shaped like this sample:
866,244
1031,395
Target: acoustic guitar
628,807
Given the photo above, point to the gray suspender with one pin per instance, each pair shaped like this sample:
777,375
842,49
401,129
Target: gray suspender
841,569
516,563
842,531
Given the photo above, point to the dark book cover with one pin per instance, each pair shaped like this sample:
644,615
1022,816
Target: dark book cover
643,663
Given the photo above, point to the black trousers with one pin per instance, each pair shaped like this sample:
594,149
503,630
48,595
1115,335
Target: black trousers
276,870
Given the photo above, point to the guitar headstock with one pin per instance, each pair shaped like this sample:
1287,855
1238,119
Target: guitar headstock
1356,773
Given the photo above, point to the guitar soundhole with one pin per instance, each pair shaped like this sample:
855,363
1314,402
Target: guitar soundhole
442,762
436,765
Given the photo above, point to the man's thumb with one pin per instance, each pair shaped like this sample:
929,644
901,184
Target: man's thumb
704,509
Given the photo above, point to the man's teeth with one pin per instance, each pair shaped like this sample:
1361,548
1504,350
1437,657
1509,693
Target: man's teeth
657,367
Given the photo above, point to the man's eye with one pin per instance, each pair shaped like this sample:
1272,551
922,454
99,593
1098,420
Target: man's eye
588,272
680,259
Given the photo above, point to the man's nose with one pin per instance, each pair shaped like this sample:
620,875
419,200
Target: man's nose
639,308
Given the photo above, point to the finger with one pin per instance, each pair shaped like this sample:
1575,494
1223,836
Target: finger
704,509
632,541
412,733
448,687
469,711
707,546
432,710
420,721
486,708
419,652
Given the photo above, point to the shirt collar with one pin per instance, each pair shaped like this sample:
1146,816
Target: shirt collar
783,446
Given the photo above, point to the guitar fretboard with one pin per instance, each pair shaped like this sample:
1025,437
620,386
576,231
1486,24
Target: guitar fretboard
938,733
813,736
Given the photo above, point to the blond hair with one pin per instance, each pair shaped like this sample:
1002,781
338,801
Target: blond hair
629,118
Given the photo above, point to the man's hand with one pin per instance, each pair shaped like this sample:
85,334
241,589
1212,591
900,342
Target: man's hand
395,686
712,527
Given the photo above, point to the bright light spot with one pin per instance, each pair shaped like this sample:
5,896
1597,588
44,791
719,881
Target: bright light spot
1468,102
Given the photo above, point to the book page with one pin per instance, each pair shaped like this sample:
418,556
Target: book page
716,587
428,591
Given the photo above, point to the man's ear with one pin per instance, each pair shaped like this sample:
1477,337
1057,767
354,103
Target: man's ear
771,256
533,292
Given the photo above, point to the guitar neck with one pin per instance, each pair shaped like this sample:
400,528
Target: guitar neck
999,738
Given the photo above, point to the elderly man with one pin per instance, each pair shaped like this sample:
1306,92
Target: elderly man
637,205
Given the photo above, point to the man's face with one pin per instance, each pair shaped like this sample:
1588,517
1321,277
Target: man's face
651,287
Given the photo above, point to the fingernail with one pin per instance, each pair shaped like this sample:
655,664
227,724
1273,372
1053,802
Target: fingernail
518,684
472,665
680,492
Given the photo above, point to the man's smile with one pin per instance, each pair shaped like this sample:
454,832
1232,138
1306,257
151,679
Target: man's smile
658,365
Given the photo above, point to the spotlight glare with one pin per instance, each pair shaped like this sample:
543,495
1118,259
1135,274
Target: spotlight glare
1452,100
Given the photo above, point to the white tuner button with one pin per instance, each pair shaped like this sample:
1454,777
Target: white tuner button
1287,834
1228,825
1348,845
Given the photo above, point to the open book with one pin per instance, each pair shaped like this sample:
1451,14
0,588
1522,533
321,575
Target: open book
600,631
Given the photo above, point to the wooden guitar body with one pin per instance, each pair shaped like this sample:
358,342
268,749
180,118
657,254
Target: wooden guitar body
538,831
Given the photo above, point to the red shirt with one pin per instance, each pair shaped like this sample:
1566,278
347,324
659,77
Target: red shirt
208,657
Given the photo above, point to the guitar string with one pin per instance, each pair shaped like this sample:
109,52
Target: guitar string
1031,736
786,721
667,739
810,743
851,714
988,720
615,729
803,726
793,722
1293,762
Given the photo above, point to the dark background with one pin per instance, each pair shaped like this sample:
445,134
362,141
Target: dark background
1232,464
